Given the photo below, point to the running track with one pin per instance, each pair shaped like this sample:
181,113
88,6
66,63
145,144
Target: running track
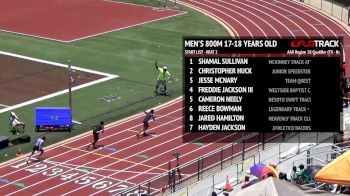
271,18
69,168
125,161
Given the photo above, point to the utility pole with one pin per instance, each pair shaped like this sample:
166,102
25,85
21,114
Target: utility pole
70,80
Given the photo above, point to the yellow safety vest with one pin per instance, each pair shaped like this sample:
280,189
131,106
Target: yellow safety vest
163,75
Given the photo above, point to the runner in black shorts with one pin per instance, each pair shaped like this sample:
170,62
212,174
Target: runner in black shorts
147,118
37,147
96,131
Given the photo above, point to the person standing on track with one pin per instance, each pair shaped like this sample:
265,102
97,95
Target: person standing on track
37,147
163,75
147,118
95,132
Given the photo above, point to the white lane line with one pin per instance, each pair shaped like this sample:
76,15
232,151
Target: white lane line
93,35
283,16
144,141
92,151
316,11
76,167
137,5
301,18
84,145
161,107
265,13
208,167
160,144
35,36
229,28
238,13
165,163
118,29
327,26
106,78
227,15
158,155
55,64
255,15
5,106
125,139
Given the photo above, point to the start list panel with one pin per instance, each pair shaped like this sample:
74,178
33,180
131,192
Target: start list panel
262,85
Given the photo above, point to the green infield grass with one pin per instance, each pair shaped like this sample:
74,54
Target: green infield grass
129,53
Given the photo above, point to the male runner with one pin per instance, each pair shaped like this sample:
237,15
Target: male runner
147,118
37,147
95,132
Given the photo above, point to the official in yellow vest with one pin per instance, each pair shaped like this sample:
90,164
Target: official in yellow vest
163,75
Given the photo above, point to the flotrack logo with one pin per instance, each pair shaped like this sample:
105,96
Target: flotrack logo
301,43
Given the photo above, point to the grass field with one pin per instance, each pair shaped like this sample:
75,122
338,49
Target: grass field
129,53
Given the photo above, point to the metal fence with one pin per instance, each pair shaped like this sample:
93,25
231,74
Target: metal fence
294,144
233,154
236,157
338,9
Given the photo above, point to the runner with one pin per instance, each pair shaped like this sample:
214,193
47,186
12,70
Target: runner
37,147
147,118
96,131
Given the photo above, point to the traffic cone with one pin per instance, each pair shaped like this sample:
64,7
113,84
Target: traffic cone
228,186
19,151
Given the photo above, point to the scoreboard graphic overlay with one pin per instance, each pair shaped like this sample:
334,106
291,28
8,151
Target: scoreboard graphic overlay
262,85
53,119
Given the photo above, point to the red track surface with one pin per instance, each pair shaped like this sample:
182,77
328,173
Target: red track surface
103,164
70,20
272,18
105,170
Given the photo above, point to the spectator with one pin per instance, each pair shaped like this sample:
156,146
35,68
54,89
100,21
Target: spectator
293,175
345,89
270,174
342,71
342,139
246,182
302,177
274,165
283,176
301,168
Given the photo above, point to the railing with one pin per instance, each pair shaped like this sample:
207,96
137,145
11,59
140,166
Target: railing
338,9
237,155
202,167
237,170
